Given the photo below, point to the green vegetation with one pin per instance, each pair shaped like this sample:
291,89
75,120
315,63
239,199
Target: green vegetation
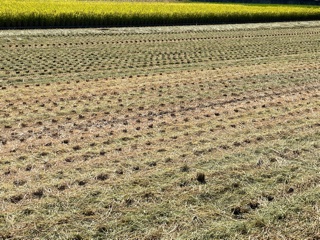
54,13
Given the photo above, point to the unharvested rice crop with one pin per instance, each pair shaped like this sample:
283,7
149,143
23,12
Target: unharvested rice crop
53,13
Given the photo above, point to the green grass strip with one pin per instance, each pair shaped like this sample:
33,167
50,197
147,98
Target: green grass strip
54,13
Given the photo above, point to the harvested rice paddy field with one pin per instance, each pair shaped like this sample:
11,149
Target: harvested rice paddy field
197,132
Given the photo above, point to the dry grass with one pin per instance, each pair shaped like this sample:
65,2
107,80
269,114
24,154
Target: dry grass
218,139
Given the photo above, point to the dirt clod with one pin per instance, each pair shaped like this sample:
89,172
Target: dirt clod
102,176
201,178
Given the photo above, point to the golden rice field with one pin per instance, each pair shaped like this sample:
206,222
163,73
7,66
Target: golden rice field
62,13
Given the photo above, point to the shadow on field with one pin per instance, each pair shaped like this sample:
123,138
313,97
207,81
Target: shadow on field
294,2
